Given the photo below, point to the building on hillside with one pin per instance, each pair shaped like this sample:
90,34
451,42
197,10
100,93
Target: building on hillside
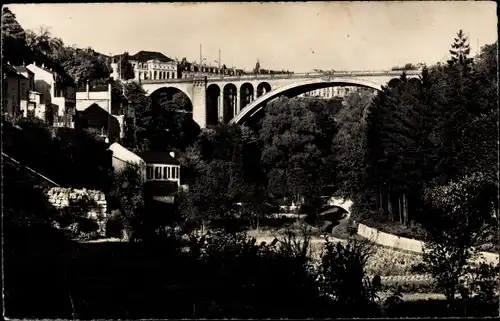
162,176
194,69
148,65
11,92
97,112
329,93
121,157
58,96
19,98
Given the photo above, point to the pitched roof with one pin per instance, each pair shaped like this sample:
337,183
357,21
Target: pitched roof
23,69
144,56
124,154
159,158
11,71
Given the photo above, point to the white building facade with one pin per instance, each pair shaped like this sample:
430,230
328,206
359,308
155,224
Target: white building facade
61,97
329,93
148,66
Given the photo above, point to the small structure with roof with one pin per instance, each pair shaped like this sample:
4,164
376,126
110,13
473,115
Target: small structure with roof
162,176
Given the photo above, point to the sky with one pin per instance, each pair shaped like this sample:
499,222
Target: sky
296,36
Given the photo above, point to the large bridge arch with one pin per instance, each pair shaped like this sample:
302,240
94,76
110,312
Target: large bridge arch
298,88
165,94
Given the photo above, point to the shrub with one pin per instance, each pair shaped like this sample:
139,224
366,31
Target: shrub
342,276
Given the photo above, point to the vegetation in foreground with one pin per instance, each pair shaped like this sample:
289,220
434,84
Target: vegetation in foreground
419,152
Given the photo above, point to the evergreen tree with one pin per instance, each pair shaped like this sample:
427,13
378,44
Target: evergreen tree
14,49
457,108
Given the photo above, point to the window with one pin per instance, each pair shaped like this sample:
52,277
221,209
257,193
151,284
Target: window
155,75
166,172
149,172
157,172
168,75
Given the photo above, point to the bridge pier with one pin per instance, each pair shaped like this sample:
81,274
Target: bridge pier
238,102
220,108
200,102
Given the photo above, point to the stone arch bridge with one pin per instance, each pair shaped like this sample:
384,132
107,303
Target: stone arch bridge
237,98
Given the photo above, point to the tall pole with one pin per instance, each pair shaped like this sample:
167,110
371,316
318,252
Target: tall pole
219,60
201,59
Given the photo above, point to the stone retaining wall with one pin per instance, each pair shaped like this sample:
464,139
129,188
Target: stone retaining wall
61,197
406,244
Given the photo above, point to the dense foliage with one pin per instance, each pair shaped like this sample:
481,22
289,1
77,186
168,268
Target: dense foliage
68,157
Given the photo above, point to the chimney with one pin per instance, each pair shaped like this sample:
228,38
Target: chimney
172,154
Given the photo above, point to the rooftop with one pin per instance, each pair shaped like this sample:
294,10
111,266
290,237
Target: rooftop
23,69
144,56
124,154
11,71
159,158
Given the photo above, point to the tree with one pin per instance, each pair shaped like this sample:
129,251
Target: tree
43,42
207,197
14,48
401,143
296,136
127,193
460,51
348,143
247,178
125,67
459,215
388,141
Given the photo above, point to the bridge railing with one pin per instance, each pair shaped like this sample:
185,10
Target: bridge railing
359,73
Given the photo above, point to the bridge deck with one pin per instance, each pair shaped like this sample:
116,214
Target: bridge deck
365,73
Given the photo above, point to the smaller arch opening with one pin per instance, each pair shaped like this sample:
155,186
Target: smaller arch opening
246,94
229,102
263,88
212,102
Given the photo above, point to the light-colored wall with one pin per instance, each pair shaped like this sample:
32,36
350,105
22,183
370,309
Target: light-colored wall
92,95
145,70
406,244
44,81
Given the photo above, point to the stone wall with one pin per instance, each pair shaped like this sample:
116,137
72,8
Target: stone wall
406,244
61,197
